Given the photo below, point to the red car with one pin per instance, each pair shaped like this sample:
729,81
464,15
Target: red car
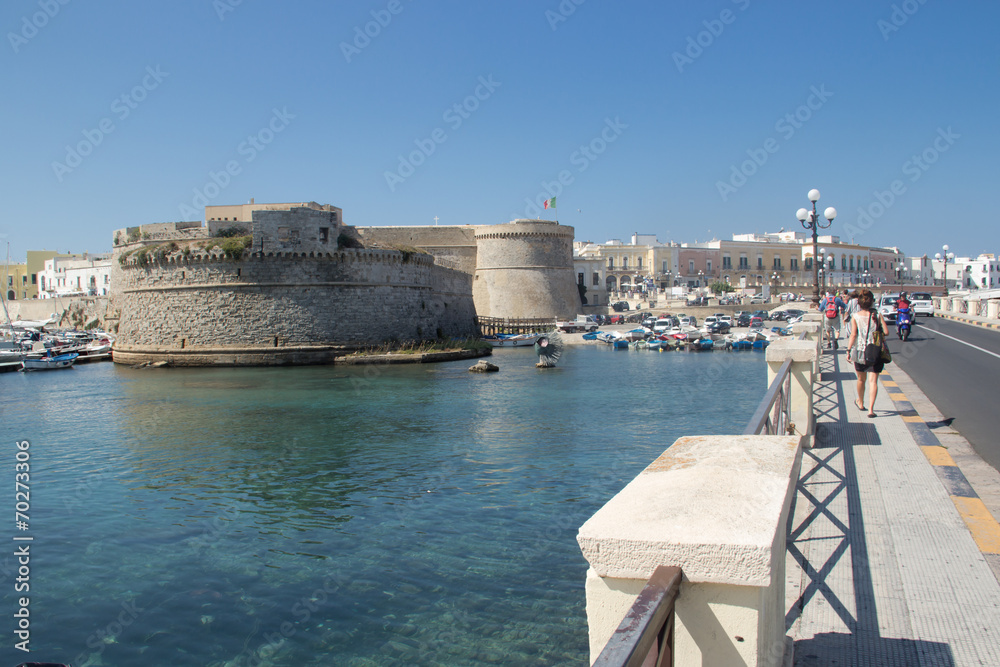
616,319
756,323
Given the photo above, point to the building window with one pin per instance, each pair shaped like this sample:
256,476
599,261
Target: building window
690,266
708,266
760,261
579,278
809,263
324,234
596,279
638,263
624,263
744,262
611,263
665,269
34,278
727,263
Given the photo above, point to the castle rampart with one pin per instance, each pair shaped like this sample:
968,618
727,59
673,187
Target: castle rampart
293,285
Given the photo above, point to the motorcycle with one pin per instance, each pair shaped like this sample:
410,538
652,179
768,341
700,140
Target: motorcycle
903,320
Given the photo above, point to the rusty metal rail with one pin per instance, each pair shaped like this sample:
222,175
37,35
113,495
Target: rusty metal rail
772,415
645,637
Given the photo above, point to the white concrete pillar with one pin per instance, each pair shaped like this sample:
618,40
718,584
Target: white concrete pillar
814,332
993,308
805,356
716,506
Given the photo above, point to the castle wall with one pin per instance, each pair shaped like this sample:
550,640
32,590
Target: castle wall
452,246
284,308
525,270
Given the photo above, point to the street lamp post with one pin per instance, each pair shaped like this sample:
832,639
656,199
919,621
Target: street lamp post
944,267
810,220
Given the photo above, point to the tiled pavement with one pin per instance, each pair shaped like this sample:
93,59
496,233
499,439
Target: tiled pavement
882,567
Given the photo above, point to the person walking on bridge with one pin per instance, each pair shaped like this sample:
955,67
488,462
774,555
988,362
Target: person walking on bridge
864,325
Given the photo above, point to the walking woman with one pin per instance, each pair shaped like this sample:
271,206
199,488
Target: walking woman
864,324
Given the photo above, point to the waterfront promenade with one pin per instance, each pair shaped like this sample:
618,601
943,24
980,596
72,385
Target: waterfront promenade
892,553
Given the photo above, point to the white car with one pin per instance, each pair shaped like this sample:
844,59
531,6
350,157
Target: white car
757,298
728,319
922,304
663,325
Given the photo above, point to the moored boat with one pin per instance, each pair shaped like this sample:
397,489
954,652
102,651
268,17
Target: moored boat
49,363
512,340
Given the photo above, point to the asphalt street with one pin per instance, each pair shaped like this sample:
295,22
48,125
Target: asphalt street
957,366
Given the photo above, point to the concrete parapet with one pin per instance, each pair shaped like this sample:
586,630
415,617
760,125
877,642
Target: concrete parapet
804,355
993,308
716,506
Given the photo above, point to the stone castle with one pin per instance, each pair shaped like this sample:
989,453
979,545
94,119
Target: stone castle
272,284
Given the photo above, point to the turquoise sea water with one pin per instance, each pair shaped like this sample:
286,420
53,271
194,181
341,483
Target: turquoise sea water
395,515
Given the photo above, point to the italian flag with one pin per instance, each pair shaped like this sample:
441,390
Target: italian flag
550,203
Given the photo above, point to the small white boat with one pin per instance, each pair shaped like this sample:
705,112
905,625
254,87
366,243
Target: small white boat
512,340
49,363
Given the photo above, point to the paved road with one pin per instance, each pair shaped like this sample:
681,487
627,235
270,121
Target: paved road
958,367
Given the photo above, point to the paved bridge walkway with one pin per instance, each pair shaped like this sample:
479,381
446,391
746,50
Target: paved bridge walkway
893,557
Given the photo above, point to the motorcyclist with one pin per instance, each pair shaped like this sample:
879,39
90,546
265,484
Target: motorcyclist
902,303
904,315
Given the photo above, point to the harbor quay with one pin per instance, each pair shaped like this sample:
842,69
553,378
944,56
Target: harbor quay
839,540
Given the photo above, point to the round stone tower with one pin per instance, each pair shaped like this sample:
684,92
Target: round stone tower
524,269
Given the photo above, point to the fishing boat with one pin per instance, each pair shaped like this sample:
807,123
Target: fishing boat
49,363
704,344
742,344
619,344
512,340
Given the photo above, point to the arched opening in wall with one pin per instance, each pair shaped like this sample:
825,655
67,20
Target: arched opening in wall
10,295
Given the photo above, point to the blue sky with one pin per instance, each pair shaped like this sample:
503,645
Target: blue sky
684,120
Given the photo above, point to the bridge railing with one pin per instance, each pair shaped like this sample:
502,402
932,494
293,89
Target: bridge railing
695,486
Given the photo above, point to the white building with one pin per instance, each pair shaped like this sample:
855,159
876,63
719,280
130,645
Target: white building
967,273
76,275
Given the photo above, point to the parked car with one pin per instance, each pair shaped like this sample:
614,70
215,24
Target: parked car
922,304
756,322
615,319
698,301
689,321
649,322
756,298
742,319
665,323
778,315
619,306
762,314
728,319
717,327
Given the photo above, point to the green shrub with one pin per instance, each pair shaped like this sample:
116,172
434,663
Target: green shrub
230,232
346,241
235,247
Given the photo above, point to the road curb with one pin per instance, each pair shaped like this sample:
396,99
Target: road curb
984,528
965,320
